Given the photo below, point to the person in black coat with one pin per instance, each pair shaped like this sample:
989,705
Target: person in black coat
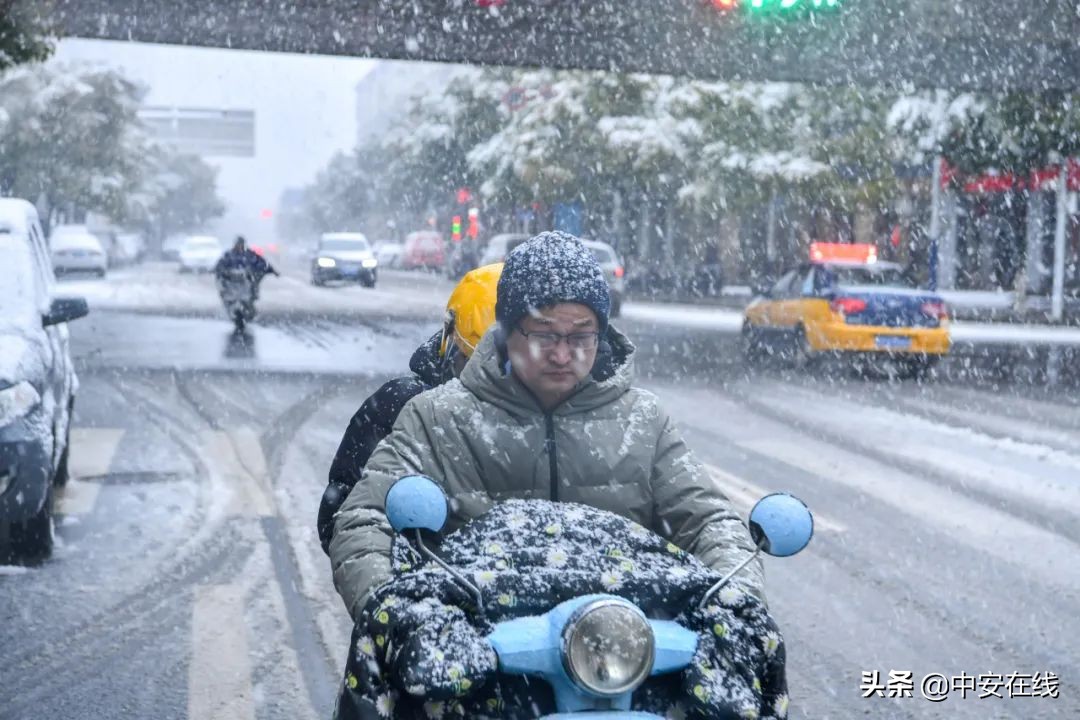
469,312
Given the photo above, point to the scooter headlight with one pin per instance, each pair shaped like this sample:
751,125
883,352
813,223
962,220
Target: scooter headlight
608,647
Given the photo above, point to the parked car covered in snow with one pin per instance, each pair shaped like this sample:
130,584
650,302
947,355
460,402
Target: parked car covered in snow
389,254
200,253
75,249
37,384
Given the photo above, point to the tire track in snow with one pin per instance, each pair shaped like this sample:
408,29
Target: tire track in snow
930,597
320,678
1055,520
162,583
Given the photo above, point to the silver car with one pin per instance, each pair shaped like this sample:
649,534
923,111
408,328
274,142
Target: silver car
76,249
500,246
200,253
605,255
613,270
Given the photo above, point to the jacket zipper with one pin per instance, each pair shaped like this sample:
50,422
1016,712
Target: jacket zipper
553,464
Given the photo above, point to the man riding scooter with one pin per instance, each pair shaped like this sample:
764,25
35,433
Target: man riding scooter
544,409
241,257
238,273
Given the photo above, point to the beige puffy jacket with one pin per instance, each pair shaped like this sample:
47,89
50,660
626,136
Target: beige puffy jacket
484,439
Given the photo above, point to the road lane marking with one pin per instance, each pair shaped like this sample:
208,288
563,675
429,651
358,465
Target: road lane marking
236,459
219,677
77,497
745,494
93,450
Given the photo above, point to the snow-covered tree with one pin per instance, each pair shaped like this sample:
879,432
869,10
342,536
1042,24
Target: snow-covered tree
71,140
178,193
24,35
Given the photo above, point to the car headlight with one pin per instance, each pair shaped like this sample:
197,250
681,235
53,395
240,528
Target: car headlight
17,401
325,262
369,262
608,647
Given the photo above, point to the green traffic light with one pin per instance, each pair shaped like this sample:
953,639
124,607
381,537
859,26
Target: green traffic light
789,6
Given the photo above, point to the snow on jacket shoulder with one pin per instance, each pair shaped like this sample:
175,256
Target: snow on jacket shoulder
485,440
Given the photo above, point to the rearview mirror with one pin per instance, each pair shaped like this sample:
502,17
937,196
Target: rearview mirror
416,502
64,310
781,524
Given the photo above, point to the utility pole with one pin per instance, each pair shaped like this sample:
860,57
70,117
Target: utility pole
1057,298
935,223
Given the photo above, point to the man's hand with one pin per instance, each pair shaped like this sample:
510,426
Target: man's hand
738,670
429,649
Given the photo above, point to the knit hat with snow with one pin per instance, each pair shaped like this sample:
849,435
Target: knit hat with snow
547,269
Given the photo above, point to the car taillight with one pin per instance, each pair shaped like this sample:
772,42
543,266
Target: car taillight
618,271
937,310
847,306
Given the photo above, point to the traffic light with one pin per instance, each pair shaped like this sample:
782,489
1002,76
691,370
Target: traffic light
761,7
474,222
455,229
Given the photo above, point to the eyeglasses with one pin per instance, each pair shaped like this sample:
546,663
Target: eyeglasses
549,340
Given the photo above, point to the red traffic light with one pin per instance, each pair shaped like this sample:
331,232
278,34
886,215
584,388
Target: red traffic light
463,196
474,222
725,4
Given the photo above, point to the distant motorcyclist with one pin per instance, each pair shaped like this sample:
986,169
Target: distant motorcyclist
241,257
470,311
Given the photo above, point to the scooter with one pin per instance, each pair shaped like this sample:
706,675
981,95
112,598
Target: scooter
596,650
236,286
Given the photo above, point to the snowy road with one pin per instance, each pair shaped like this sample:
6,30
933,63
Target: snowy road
190,583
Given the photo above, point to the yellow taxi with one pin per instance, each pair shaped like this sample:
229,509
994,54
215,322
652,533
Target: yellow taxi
845,301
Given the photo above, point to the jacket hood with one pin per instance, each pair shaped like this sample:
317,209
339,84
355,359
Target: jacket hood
488,376
427,364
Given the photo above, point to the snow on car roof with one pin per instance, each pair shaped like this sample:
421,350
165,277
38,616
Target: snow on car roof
202,240
344,236
71,239
13,212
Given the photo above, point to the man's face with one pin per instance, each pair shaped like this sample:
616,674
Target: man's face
552,370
